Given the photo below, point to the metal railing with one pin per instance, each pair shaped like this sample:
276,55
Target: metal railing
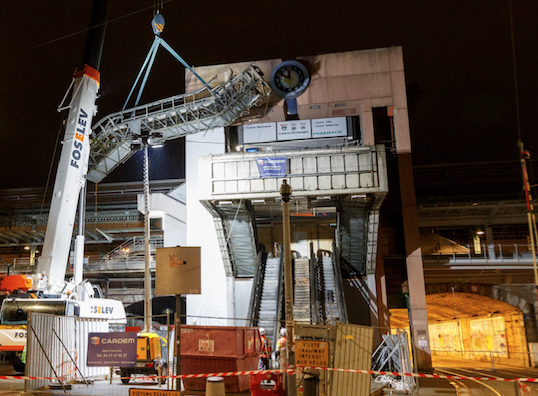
510,253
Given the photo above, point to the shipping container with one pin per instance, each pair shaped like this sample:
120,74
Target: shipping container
214,349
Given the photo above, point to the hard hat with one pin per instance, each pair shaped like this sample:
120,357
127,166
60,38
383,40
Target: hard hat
283,331
262,331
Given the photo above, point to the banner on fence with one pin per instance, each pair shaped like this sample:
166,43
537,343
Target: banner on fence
112,349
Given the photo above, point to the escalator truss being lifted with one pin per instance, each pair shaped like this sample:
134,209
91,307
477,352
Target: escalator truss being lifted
221,101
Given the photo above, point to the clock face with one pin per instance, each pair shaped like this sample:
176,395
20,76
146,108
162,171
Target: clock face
289,79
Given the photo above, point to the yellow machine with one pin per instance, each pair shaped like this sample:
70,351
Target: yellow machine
149,360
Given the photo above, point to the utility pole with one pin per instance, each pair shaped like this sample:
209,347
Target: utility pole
285,191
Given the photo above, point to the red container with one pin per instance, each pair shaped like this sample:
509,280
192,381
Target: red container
266,385
214,349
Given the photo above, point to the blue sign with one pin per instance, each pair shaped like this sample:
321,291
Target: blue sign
272,167
112,349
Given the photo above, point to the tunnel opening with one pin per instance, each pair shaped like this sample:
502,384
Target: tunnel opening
473,327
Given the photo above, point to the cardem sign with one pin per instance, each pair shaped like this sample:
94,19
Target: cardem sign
312,353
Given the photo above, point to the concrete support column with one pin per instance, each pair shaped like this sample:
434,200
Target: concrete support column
374,310
418,314
382,299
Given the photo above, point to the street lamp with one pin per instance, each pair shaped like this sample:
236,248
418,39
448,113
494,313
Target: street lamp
285,191
143,141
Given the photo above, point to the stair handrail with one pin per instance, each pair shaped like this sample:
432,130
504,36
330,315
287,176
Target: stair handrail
315,313
338,284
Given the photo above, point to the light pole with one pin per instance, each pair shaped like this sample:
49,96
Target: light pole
143,141
147,255
285,191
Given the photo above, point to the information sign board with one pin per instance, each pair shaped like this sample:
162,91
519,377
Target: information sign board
263,132
292,130
329,127
178,271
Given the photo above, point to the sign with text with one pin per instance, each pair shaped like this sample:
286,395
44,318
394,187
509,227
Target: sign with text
312,353
272,167
255,133
152,392
112,349
178,271
292,130
329,127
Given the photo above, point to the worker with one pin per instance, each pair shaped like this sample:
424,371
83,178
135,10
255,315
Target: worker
280,350
263,363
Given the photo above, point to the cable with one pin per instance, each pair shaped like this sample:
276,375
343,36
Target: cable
52,162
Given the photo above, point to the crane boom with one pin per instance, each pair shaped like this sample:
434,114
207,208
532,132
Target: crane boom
71,176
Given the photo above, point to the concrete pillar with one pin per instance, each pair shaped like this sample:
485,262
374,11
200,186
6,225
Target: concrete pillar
374,311
382,299
418,314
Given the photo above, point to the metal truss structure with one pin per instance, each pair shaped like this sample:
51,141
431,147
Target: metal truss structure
217,104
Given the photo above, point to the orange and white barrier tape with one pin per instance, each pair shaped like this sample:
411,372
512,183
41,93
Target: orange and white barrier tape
302,368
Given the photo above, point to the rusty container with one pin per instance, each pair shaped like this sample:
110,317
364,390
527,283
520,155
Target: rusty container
216,349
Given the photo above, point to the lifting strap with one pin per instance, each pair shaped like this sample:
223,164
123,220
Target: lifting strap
150,58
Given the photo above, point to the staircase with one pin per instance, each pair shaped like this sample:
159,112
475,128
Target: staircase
132,251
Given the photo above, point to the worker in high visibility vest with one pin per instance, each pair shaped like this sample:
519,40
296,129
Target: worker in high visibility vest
263,363
280,350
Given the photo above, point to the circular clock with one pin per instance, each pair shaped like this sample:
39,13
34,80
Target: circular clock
289,79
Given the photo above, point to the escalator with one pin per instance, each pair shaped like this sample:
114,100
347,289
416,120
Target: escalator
318,296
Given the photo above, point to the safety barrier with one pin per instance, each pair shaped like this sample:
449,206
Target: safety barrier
296,369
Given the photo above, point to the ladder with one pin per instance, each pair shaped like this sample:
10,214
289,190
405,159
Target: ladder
220,102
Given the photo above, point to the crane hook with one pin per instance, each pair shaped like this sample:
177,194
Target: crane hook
157,24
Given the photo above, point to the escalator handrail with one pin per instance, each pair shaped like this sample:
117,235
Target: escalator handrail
280,296
338,283
257,288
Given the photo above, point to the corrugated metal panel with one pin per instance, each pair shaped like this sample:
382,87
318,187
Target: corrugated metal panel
353,350
56,345
349,170
84,326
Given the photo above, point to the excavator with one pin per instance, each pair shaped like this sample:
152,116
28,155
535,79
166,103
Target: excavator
47,291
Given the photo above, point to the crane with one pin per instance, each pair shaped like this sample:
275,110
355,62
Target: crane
47,290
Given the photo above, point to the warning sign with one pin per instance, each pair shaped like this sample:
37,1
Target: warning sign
206,345
312,353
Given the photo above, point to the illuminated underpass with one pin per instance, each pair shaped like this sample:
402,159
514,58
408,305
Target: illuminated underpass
471,326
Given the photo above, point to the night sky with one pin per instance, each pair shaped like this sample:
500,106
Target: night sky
457,54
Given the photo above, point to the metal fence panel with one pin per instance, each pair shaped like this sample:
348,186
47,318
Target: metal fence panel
353,350
56,345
